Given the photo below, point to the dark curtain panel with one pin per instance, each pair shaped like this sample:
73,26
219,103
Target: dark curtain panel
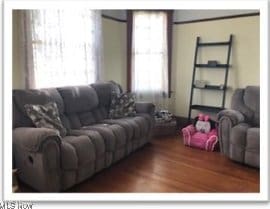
169,35
129,47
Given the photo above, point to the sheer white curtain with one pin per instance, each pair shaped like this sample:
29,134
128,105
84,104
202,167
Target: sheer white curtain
150,57
62,47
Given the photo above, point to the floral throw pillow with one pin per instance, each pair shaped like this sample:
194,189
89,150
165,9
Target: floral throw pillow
46,116
122,105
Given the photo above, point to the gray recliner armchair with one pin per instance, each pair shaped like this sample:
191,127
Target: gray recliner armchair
239,127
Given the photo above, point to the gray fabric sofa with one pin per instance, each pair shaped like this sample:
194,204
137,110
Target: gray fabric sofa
49,163
239,127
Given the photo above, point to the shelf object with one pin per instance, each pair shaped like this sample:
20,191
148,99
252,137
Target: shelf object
212,64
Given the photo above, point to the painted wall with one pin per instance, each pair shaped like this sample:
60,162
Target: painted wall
120,14
18,81
115,51
244,60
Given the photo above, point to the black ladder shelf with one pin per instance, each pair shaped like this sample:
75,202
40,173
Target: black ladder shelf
222,88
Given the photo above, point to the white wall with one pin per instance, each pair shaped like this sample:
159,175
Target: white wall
18,81
120,14
115,51
244,60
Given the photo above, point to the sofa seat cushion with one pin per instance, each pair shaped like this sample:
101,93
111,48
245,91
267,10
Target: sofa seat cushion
143,123
113,135
76,151
150,119
139,124
131,128
94,136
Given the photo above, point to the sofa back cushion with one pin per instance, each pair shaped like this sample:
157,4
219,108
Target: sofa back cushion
78,98
82,104
116,88
19,119
33,96
103,91
77,105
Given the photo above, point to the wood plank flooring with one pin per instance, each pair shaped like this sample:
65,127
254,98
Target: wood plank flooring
166,165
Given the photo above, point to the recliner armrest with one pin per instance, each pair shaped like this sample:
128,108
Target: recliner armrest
32,139
145,107
235,117
37,154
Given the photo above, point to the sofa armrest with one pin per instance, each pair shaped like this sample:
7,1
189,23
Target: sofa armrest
234,116
37,155
32,139
145,107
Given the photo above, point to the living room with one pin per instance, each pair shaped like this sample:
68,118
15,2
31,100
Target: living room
142,101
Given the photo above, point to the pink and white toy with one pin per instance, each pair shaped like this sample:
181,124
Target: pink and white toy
202,134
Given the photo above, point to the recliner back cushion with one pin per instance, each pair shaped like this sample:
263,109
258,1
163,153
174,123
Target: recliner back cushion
34,96
116,88
18,118
80,103
100,114
56,97
21,98
103,91
252,101
247,101
79,98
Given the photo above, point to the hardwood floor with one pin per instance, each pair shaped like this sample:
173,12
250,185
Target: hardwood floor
166,165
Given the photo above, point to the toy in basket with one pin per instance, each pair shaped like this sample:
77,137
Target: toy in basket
202,134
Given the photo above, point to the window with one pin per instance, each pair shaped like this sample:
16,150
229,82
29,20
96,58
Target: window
150,52
64,50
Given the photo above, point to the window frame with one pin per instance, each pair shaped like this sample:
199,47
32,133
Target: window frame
130,14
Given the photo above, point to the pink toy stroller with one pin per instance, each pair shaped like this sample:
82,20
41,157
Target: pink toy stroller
202,134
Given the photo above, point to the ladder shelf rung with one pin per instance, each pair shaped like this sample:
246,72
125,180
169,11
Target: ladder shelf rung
207,108
211,87
212,66
214,44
